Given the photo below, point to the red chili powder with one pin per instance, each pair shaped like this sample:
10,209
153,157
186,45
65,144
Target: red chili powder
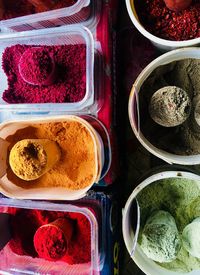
36,66
50,243
70,80
24,224
18,8
167,24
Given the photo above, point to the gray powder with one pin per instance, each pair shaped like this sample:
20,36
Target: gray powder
185,138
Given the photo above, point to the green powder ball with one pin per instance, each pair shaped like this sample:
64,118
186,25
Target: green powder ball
160,237
191,238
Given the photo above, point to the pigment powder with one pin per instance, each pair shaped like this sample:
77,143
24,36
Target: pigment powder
37,67
77,166
24,223
70,80
164,23
183,139
12,9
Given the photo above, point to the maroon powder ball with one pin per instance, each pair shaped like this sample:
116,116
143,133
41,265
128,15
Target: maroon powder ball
37,67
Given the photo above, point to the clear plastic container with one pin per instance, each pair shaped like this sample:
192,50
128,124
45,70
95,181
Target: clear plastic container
68,35
12,263
8,188
83,11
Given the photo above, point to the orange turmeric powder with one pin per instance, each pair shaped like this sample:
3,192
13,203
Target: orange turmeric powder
77,167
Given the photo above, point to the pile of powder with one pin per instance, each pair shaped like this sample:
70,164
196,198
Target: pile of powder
69,84
167,24
12,9
181,198
76,168
185,138
25,222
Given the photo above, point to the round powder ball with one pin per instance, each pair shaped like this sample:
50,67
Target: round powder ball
160,238
37,66
50,243
170,106
191,238
177,5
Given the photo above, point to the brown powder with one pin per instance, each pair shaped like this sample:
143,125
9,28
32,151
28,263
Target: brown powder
76,168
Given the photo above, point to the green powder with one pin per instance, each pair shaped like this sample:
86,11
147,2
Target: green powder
181,198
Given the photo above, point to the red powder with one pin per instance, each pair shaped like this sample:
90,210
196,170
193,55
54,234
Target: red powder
36,66
18,8
70,80
24,224
167,24
50,243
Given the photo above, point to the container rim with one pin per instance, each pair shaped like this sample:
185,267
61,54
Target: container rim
153,38
47,15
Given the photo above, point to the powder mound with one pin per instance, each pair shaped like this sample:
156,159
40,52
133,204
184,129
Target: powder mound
170,106
50,243
31,158
69,81
160,237
36,66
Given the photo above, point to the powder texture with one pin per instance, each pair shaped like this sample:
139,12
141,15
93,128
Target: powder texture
36,66
30,158
24,224
51,243
185,138
170,106
177,196
70,79
165,23
76,168
18,8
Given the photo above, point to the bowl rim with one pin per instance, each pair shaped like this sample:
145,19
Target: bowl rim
178,54
153,38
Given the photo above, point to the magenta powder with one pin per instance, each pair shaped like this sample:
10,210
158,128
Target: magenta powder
70,80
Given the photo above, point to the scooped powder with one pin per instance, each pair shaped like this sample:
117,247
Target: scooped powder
25,222
185,138
165,23
181,198
70,79
12,9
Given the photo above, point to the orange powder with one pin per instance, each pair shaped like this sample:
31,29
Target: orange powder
76,168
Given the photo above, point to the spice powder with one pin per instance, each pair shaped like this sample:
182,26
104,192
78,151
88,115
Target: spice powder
77,167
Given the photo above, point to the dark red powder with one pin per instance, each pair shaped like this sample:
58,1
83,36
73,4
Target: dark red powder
69,84
24,224
18,8
167,24
36,66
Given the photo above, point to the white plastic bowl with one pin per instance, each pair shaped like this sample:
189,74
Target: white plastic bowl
148,266
133,117
160,43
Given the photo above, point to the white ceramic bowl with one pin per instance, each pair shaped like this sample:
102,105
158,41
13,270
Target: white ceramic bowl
133,115
160,43
148,266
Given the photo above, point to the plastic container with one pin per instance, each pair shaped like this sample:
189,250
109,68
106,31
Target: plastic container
160,43
11,190
134,103
147,265
69,35
83,11
12,263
